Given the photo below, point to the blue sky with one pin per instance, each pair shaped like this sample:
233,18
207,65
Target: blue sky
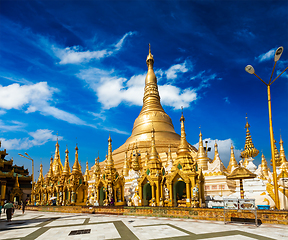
78,68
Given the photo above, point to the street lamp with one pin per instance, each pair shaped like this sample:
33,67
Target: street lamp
251,70
28,157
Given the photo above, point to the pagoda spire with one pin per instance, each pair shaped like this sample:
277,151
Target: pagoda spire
183,148
66,169
249,150
232,163
87,173
216,153
282,152
277,155
135,160
184,157
151,100
97,169
154,162
202,158
264,166
169,157
76,169
126,165
16,185
110,162
41,178
57,161
50,172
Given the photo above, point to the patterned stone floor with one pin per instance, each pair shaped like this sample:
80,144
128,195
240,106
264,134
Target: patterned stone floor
48,225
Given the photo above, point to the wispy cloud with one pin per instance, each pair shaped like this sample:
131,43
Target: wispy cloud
76,54
40,137
266,56
226,99
11,126
205,79
244,33
32,98
118,45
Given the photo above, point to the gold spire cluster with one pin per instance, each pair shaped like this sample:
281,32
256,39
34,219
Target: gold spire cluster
66,169
249,149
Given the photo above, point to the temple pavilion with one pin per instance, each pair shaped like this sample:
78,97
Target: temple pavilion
15,180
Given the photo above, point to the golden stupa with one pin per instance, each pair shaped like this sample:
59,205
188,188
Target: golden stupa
152,116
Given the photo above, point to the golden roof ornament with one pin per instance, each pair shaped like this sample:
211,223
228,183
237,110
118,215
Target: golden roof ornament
277,155
169,157
232,163
76,169
216,153
110,162
264,166
126,166
97,169
282,152
184,157
135,160
241,173
202,158
50,172
41,178
154,162
150,59
87,173
249,149
16,185
183,148
66,169
57,161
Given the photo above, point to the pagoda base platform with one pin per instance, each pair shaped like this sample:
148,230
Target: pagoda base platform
264,216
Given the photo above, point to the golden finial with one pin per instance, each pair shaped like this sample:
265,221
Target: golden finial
66,169
282,152
232,163
249,149
150,59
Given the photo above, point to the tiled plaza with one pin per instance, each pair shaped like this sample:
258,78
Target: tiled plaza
51,225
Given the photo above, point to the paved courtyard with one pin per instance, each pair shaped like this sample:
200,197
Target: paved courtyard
50,225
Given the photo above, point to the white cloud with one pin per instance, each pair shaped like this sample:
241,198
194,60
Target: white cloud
35,97
172,72
40,137
11,126
266,56
112,91
223,149
76,55
175,97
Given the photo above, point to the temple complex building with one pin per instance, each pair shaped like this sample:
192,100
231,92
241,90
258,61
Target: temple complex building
158,167
15,180
61,185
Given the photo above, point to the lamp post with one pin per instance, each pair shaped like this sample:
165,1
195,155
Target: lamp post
28,157
251,70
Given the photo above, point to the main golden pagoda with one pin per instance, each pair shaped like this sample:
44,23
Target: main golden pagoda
152,116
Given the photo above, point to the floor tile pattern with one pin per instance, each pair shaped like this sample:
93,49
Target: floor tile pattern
48,225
